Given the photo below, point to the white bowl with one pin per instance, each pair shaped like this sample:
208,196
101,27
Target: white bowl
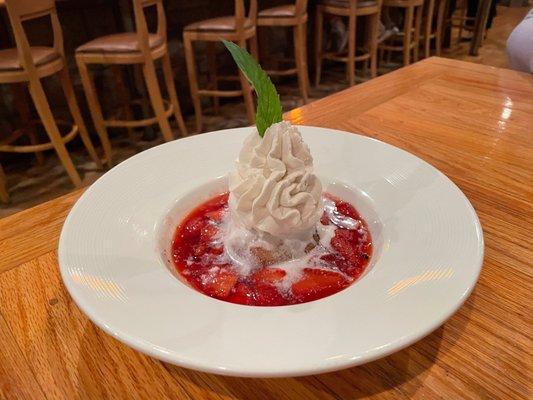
428,251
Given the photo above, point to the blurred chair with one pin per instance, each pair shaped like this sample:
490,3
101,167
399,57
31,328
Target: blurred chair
459,19
295,16
26,65
433,25
412,21
371,9
139,47
238,28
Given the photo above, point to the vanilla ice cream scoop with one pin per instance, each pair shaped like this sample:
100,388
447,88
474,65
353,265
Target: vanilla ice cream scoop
273,189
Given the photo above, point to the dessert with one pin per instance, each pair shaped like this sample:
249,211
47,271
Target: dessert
275,199
275,238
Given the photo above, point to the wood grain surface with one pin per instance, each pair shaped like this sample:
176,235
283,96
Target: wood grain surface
474,123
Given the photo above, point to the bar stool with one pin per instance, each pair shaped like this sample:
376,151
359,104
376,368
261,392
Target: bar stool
460,21
412,22
295,16
27,64
433,25
351,9
238,28
140,47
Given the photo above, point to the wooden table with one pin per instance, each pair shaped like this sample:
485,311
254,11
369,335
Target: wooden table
474,123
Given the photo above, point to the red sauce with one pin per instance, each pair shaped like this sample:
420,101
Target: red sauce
194,244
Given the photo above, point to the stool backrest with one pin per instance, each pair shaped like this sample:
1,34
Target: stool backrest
240,14
23,10
300,7
141,26
27,9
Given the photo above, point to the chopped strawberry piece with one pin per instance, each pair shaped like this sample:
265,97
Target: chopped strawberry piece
216,250
208,232
366,250
344,245
193,228
333,258
242,294
268,275
268,295
200,249
346,234
344,265
317,283
197,268
216,215
352,270
219,202
324,220
347,209
220,283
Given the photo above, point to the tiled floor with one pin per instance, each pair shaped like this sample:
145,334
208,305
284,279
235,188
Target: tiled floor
30,184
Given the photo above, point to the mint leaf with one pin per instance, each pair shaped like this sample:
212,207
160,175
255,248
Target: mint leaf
268,102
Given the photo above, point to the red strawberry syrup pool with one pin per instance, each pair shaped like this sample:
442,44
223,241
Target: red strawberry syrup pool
198,254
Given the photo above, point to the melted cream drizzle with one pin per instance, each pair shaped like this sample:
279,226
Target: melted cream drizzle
237,242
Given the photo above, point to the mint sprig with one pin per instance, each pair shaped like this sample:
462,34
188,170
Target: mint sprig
268,102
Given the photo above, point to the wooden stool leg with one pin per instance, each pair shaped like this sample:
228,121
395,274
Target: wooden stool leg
212,69
68,90
4,196
154,92
461,25
193,80
96,111
428,28
47,118
440,22
123,97
418,25
364,68
305,55
254,47
319,32
140,86
20,100
247,92
171,89
408,25
372,37
300,57
350,64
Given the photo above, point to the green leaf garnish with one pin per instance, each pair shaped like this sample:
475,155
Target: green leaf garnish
268,102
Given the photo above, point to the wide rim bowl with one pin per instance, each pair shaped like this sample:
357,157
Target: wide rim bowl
111,256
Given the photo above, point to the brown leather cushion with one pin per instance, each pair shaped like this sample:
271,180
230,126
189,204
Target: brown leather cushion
226,24
346,3
278,12
118,43
9,60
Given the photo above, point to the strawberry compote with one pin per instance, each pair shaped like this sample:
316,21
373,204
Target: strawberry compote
336,260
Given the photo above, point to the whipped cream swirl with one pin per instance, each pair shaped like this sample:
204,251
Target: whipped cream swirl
273,189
